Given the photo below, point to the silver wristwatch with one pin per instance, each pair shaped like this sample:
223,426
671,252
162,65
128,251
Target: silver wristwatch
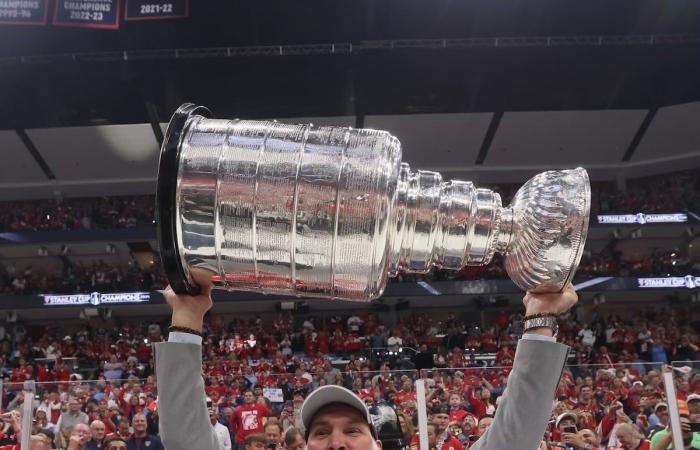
540,322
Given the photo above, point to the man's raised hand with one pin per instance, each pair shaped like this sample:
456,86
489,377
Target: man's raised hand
188,310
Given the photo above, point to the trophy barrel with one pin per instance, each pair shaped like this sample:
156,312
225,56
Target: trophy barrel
275,208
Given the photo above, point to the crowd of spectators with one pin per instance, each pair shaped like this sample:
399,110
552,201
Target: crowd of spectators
102,277
77,213
96,276
103,377
669,193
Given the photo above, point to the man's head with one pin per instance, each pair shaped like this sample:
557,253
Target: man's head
249,397
334,417
585,393
694,403
433,431
273,432
228,413
82,431
213,415
115,443
484,424
566,420
73,405
97,430
440,417
628,436
139,424
123,427
589,437
294,440
40,442
255,441
661,411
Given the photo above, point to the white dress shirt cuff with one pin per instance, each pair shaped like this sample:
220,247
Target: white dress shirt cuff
530,337
184,338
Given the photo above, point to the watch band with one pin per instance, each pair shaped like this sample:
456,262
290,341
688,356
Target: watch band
541,322
172,328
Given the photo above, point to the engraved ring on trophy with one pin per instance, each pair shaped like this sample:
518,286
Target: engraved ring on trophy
333,212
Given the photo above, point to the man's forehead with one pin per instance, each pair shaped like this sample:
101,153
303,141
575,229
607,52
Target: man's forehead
336,411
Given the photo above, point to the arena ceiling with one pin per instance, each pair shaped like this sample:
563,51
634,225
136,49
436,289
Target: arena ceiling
483,90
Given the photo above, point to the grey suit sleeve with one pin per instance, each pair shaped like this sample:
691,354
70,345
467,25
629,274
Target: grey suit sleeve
526,406
182,408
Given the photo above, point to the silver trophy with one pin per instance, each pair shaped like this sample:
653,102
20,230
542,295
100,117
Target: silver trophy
332,212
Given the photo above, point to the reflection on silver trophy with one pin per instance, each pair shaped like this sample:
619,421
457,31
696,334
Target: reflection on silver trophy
332,212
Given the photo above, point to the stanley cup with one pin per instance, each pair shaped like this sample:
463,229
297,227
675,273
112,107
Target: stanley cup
332,212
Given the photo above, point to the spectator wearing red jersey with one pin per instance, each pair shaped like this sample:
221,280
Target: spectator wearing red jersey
457,411
489,342
505,356
353,343
248,418
406,394
441,418
53,408
22,372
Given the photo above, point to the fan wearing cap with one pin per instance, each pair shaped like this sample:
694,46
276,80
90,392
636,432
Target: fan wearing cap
662,439
343,420
334,417
693,403
566,428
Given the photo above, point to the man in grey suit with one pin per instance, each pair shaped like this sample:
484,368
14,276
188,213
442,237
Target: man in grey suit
520,419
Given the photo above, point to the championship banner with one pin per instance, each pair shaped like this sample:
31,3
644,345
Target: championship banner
641,218
24,12
100,14
688,281
156,10
96,299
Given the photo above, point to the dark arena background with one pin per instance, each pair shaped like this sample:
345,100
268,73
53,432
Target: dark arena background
490,91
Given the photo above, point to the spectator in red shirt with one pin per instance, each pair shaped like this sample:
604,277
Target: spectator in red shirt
441,419
457,411
406,393
249,418
22,372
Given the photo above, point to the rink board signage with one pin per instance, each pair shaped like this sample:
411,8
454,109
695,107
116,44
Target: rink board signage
100,14
688,281
156,10
97,299
24,12
641,218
